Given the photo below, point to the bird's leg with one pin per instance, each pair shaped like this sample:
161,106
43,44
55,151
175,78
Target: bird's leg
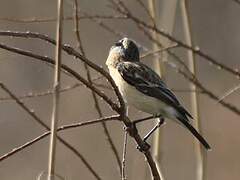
147,146
160,122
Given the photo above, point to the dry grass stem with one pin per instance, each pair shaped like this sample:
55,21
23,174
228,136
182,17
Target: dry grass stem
56,93
194,96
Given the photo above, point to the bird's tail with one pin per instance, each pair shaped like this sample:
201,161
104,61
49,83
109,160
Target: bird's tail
194,132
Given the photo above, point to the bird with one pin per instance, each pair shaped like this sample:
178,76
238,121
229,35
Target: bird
143,88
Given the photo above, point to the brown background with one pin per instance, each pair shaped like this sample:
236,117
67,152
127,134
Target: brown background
216,30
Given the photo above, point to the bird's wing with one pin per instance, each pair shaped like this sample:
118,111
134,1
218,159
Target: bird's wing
148,82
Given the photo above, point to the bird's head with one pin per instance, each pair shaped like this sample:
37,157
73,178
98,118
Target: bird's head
123,50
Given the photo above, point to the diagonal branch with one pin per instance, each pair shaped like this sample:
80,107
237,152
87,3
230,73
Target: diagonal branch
122,8
89,78
122,110
38,120
202,88
190,77
68,49
48,60
62,128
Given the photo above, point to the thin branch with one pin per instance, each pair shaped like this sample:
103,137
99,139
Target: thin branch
89,78
40,94
136,137
23,106
50,92
231,91
68,49
121,110
46,59
124,10
76,85
158,51
38,120
123,175
62,128
202,88
53,19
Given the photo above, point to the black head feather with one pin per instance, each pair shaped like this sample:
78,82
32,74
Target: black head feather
128,49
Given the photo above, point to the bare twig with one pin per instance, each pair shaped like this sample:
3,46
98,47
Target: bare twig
46,59
122,8
231,91
201,87
139,141
74,53
158,51
40,94
53,19
96,103
50,92
71,52
76,85
37,119
121,110
62,128
123,175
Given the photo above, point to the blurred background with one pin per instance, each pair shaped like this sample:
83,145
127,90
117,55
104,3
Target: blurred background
215,29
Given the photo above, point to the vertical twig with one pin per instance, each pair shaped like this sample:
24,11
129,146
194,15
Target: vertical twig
193,94
123,176
56,88
89,78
